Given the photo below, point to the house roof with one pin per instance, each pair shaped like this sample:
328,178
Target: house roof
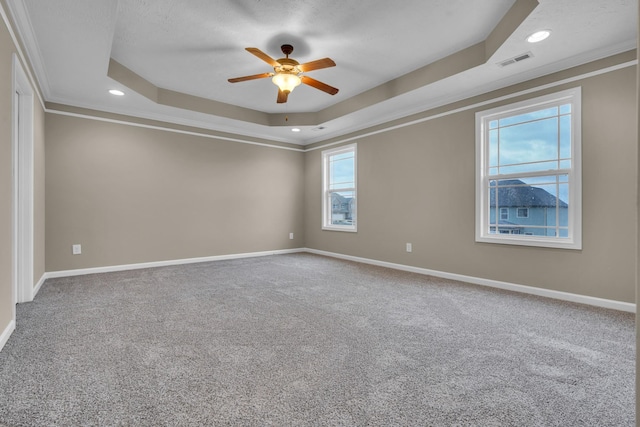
516,193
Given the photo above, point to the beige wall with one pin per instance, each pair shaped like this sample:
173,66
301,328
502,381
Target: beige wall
417,184
7,49
129,194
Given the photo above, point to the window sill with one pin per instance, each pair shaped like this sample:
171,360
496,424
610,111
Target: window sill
535,242
339,228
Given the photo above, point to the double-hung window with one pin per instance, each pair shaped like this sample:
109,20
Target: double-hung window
339,188
528,162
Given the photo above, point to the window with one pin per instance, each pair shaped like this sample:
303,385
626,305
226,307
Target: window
528,160
339,189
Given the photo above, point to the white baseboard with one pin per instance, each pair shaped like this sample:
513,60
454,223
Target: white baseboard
38,285
549,293
7,333
124,267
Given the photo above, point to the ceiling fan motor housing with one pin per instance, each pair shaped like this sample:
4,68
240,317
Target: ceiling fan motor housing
287,65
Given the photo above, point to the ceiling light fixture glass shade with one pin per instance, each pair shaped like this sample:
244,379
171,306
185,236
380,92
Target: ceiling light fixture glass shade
116,92
285,81
538,36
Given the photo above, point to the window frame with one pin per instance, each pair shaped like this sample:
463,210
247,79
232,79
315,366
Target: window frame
574,239
327,191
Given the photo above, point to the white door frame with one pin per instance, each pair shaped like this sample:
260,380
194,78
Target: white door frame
23,191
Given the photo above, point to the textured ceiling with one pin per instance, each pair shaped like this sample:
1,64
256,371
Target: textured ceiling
192,47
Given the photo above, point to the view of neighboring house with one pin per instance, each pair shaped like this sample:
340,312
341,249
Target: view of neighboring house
524,209
341,209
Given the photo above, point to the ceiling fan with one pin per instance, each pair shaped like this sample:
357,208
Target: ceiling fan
288,72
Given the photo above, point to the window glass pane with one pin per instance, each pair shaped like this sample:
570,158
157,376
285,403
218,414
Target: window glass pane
565,109
563,205
341,171
565,137
493,124
527,117
342,156
492,206
547,210
493,148
342,207
535,203
529,142
565,164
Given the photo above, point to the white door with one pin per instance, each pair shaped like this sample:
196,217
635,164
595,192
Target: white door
23,192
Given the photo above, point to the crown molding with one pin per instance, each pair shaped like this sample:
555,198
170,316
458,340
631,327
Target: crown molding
21,20
94,115
391,126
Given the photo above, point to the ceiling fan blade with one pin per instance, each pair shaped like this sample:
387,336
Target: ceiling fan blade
253,77
319,85
282,96
260,54
317,64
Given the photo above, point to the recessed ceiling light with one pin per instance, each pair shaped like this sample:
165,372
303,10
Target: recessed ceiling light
116,92
538,36
295,130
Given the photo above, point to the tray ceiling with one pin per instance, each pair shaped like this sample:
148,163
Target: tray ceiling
172,59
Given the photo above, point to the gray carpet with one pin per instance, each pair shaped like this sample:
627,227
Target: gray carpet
297,340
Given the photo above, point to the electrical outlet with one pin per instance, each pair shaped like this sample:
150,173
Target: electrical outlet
291,236
409,247
76,249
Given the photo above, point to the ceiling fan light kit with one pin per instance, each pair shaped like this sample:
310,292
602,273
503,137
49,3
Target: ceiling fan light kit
286,82
287,73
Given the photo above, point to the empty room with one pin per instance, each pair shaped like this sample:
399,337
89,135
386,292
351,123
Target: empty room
322,213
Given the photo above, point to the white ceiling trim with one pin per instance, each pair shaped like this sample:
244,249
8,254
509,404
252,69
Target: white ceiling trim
46,32
127,111
483,103
21,18
364,135
526,75
507,81
168,129
399,114
25,63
